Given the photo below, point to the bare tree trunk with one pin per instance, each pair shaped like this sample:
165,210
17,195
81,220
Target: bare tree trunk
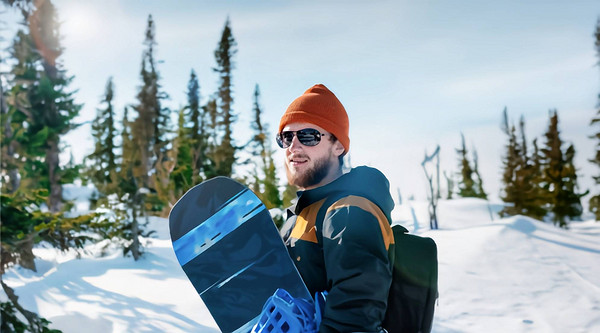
433,197
437,168
52,159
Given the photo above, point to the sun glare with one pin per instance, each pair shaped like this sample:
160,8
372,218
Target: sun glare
78,22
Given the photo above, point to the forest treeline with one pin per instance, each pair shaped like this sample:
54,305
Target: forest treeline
147,158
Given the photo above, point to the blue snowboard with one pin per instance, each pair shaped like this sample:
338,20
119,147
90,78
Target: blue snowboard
230,249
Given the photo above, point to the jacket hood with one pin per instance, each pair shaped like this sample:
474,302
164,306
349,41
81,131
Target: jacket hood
361,181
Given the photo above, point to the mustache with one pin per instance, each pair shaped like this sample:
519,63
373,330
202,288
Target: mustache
298,156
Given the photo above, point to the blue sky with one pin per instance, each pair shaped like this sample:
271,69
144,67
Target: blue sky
410,74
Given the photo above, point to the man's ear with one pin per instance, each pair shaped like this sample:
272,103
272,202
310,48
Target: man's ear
338,148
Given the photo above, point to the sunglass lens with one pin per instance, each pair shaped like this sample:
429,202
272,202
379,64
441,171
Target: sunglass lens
287,138
309,137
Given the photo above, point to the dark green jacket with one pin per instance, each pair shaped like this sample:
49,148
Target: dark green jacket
340,238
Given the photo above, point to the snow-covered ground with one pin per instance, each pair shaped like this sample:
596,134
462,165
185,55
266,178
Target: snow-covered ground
495,275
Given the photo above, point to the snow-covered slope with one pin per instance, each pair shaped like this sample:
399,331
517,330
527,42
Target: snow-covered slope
496,275
113,293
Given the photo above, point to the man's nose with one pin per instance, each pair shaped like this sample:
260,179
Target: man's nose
295,145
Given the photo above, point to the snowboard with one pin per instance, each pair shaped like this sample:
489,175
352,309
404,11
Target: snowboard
228,246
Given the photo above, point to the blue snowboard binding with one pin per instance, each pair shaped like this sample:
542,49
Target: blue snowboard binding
283,313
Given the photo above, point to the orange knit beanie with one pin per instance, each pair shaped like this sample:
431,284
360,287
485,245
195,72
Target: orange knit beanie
319,106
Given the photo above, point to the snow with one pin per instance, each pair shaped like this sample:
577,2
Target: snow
495,275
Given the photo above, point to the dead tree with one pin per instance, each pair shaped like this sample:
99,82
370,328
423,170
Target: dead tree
433,195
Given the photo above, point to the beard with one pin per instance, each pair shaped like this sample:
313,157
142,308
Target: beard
311,176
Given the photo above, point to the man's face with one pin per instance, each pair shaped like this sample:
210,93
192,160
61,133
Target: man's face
311,166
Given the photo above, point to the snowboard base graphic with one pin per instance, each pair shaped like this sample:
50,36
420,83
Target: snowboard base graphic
231,251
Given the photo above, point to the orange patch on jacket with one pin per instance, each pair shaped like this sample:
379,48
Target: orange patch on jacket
368,206
304,228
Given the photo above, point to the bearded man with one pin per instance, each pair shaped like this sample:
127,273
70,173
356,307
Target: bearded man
338,232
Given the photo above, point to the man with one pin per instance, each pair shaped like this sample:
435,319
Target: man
338,233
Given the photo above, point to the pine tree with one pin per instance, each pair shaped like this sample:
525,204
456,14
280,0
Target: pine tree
466,185
559,176
37,113
533,199
146,167
264,174
595,200
212,136
536,200
522,175
224,156
151,127
197,117
11,130
150,132
129,190
42,103
12,99
130,159
512,162
258,144
572,199
182,175
102,163
37,110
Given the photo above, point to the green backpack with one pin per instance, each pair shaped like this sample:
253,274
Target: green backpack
414,287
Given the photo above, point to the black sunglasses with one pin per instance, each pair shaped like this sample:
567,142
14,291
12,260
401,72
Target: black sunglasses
308,137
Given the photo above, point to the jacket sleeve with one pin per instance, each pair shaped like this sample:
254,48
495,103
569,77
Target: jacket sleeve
359,272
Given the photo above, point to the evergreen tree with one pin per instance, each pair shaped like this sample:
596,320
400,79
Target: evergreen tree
466,185
528,179
13,111
536,200
571,202
9,134
182,175
521,175
258,145
150,132
595,200
38,111
151,127
145,166
265,180
212,136
224,156
130,158
103,161
129,191
559,176
41,104
512,162
197,117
